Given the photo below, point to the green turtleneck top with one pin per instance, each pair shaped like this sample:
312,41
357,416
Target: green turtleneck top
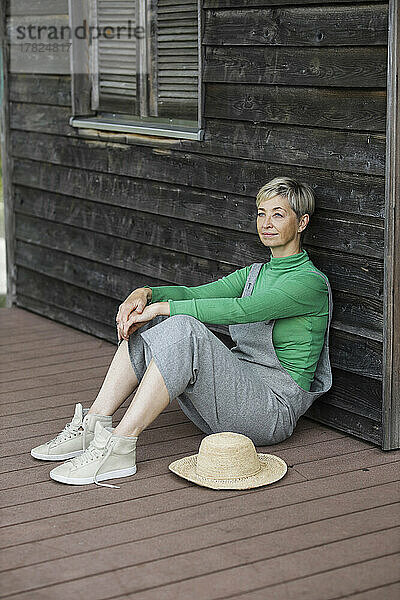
284,290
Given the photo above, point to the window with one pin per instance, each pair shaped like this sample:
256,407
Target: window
136,65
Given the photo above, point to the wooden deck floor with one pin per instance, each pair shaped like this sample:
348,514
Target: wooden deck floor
329,529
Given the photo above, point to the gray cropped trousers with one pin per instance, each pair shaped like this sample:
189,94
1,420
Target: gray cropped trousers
217,390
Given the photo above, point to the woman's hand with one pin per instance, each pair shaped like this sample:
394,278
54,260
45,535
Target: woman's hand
138,319
136,301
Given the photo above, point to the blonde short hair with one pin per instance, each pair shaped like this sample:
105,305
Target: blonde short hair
300,195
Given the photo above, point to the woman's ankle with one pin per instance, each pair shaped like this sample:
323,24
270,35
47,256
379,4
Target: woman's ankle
122,432
99,413
126,437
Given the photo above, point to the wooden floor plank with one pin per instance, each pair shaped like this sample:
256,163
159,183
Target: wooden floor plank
182,549
152,440
40,475
64,395
19,315
157,437
7,332
46,354
34,324
12,371
178,576
64,411
388,592
59,415
48,395
67,501
34,321
173,416
346,462
53,344
163,494
328,530
334,584
42,373
15,473
24,447
21,338
139,542
18,439
24,444
79,375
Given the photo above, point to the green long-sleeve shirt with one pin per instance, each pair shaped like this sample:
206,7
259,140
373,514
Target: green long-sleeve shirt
285,290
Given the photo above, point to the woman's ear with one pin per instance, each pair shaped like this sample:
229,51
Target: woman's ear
303,222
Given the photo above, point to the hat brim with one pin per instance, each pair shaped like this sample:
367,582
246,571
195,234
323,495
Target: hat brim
273,468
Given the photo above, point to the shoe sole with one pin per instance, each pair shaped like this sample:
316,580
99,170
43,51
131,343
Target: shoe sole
102,477
56,456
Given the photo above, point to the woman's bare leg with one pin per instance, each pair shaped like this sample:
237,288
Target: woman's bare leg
150,400
120,381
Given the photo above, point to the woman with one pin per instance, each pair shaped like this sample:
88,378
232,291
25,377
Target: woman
278,315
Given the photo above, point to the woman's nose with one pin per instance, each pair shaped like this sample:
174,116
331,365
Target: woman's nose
266,223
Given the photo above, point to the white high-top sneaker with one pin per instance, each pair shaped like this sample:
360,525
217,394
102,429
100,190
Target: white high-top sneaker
108,456
74,438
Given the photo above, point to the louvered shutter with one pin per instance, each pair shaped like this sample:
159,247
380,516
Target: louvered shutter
176,61
117,57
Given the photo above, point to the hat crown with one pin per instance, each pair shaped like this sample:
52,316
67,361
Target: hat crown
227,455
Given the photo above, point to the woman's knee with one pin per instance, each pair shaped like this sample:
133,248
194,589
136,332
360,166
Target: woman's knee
186,323
184,319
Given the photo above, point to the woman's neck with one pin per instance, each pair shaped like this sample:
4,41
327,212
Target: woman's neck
284,263
281,253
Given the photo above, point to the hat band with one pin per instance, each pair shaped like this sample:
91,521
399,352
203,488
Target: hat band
214,478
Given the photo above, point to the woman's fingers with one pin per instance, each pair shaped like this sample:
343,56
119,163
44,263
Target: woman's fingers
122,316
127,309
125,312
120,336
135,318
136,303
126,315
126,325
135,327
140,306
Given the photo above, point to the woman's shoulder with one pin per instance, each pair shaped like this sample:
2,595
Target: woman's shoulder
311,280
312,288
320,275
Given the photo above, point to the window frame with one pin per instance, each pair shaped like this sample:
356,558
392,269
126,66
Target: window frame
83,55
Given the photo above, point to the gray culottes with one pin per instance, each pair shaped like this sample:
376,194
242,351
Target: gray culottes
244,389
217,390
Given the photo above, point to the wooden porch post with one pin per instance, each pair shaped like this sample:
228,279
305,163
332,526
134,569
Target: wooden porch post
9,218
391,308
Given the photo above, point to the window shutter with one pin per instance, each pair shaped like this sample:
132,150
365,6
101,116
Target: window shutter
176,61
115,70
81,80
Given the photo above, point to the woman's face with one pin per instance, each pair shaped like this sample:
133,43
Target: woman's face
278,227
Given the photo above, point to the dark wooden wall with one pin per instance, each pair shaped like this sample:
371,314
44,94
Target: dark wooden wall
291,88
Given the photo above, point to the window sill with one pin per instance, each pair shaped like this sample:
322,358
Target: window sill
143,128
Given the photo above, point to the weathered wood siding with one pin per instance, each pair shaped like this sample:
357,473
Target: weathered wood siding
295,89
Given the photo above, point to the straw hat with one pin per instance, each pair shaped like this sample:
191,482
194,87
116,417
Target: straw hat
229,461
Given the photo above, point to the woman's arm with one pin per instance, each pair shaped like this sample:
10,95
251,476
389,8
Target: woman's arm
230,286
299,295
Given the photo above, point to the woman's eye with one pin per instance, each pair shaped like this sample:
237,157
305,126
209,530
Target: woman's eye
275,214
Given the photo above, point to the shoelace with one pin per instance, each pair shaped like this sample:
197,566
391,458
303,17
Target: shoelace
93,453
84,421
70,430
